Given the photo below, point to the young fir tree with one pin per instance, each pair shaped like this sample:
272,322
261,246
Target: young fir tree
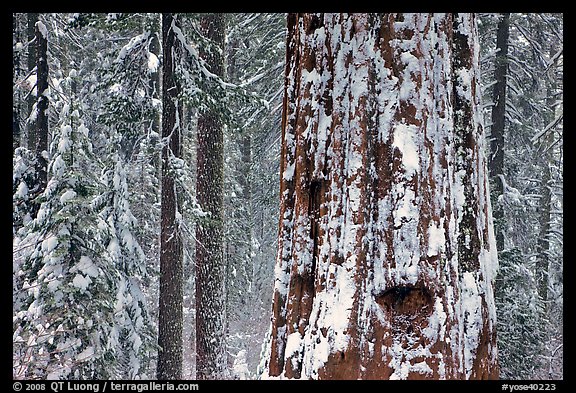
22,178
387,253
132,335
62,327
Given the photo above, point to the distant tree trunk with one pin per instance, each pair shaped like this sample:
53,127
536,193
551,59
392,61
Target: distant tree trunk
41,142
545,203
155,87
387,254
210,299
155,76
170,304
496,161
31,61
16,74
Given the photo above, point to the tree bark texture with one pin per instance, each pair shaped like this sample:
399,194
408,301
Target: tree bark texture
496,161
170,305
210,291
387,254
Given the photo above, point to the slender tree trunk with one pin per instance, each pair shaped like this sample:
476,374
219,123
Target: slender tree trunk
210,277
155,87
155,76
545,203
496,161
16,74
386,254
41,134
31,61
170,316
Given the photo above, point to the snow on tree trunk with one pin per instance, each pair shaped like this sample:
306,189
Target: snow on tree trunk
387,254
170,305
210,301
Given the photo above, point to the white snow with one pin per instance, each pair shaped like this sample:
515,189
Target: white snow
153,62
240,366
22,191
53,285
83,130
55,375
436,239
42,29
115,88
49,244
86,266
85,354
289,172
81,282
472,310
404,141
65,142
67,196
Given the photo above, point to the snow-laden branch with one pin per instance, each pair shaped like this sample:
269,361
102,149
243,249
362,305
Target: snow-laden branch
555,58
195,55
550,125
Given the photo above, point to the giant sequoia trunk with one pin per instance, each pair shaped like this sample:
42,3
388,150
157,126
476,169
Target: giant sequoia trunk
210,302
170,315
387,254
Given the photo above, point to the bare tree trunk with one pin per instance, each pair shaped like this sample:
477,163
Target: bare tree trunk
210,277
496,161
170,316
387,254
